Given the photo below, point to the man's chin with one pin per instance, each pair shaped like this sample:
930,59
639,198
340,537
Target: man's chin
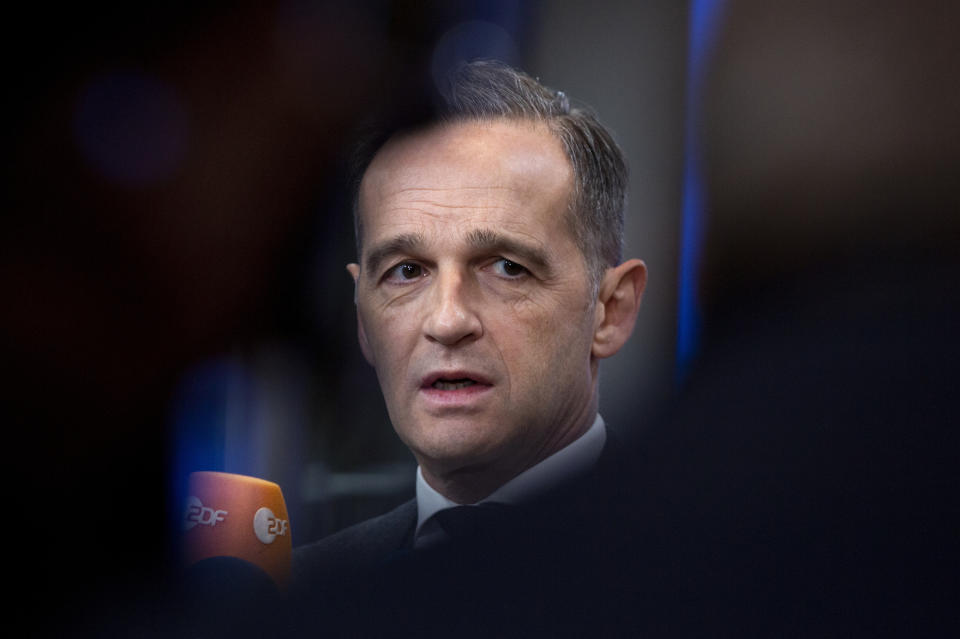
462,455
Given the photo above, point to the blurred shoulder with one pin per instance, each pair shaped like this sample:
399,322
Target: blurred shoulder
359,546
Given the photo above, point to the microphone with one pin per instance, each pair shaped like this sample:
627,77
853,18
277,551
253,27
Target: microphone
235,555
237,516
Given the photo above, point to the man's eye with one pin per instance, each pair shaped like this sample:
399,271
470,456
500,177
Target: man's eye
405,272
507,268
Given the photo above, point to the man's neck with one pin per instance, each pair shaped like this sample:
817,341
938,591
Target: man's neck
465,486
565,467
471,484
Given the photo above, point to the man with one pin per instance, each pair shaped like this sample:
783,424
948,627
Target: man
489,285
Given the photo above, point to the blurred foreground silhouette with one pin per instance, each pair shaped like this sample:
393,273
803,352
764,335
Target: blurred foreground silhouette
806,483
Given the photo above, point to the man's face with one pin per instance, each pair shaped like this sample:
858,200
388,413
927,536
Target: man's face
474,301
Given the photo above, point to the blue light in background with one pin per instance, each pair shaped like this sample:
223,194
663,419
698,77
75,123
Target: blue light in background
200,416
704,19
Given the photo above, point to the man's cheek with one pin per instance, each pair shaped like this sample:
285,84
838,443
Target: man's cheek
528,306
380,331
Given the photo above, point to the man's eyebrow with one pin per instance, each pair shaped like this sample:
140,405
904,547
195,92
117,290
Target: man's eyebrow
405,243
491,241
483,240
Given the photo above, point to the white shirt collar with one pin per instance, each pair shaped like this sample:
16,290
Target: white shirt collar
578,456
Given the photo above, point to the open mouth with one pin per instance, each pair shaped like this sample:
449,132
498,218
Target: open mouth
455,389
452,384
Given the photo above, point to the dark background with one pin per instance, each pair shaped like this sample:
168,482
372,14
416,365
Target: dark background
176,225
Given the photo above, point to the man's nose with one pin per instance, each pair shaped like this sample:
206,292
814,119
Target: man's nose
451,313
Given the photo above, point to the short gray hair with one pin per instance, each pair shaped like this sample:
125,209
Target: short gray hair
484,90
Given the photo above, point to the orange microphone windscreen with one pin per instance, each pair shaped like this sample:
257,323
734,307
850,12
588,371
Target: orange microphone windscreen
237,516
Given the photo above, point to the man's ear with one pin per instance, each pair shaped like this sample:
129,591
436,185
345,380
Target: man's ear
354,270
617,305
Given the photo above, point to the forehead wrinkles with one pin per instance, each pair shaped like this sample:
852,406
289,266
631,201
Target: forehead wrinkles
486,166
474,154
462,197
387,200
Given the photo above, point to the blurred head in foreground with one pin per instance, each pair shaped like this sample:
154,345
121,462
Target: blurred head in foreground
831,135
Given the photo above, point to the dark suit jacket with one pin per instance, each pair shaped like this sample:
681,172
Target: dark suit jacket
360,547
368,580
